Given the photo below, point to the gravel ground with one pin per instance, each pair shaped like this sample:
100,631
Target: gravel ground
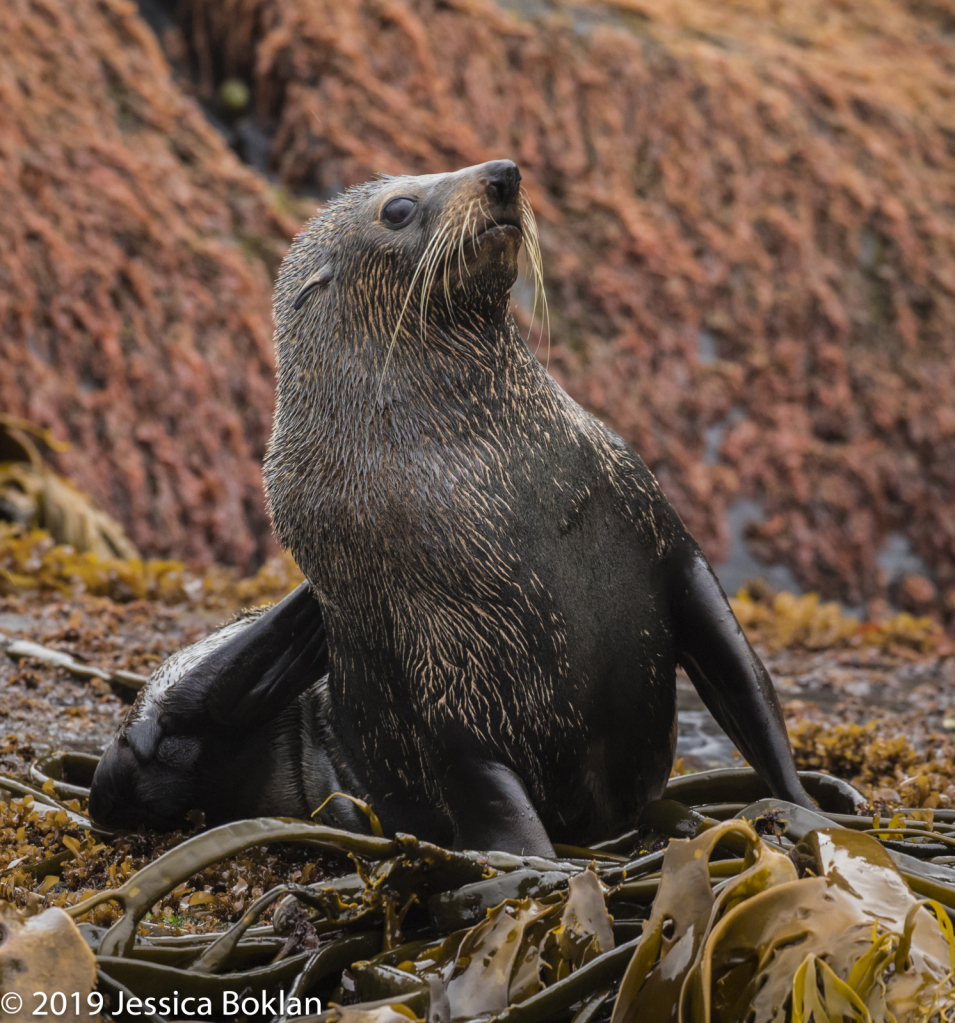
49,708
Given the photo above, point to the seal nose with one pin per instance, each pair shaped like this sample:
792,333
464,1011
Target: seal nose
502,180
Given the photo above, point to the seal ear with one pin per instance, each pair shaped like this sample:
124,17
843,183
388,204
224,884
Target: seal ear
322,277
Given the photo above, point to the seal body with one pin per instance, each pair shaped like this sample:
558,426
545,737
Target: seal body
509,602
503,591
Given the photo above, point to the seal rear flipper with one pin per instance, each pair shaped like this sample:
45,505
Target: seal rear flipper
729,676
490,809
255,674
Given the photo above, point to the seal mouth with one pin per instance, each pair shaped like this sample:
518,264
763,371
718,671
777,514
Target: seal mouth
504,229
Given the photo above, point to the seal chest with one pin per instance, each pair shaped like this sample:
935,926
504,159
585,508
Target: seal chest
504,589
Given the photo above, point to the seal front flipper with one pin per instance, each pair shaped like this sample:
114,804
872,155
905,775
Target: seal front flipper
209,731
728,675
490,809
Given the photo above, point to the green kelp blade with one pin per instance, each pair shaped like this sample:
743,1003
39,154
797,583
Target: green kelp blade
520,947
467,905
586,928
490,958
331,958
554,1002
837,1003
932,880
743,784
670,818
682,913
376,981
423,869
157,979
592,1005
384,1011
912,917
843,916
71,773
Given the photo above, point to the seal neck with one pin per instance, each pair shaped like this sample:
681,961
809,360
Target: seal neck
349,418
358,375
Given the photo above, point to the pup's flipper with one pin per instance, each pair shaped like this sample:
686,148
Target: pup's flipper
250,678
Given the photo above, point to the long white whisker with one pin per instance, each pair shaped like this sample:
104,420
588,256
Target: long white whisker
448,248
429,273
464,227
401,315
473,238
532,241
426,259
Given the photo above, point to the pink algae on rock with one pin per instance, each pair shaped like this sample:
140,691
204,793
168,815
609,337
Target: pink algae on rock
746,213
134,281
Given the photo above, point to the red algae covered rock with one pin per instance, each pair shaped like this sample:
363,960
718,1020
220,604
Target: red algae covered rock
746,213
134,281
747,221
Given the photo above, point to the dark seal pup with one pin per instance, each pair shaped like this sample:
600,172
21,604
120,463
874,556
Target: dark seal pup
498,591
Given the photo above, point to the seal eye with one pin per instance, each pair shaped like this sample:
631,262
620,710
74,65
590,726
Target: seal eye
397,212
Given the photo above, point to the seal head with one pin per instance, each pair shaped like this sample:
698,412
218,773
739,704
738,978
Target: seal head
408,227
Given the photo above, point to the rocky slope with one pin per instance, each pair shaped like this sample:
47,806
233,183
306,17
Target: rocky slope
746,220
746,212
134,280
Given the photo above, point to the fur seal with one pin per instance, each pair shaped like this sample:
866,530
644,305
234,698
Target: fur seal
498,591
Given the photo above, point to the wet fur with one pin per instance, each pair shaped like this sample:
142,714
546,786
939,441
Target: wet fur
504,588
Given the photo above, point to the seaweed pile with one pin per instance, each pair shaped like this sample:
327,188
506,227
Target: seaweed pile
878,758
31,494
755,910
30,560
780,621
